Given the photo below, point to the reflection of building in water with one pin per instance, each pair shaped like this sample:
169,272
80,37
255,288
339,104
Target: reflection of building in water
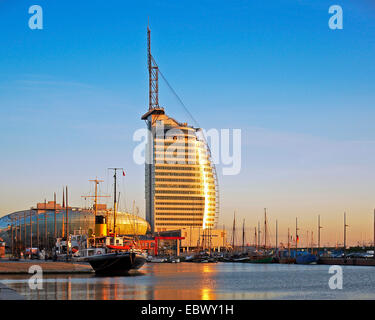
206,294
80,221
201,279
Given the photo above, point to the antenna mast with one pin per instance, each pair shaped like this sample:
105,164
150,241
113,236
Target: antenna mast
153,73
288,243
297,237
276,242
345,226
243,236
259,232
234,229
319,227
265,228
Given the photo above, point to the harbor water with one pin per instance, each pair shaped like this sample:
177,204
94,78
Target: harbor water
207,281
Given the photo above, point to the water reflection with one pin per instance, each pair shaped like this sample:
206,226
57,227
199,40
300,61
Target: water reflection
190,281
207,294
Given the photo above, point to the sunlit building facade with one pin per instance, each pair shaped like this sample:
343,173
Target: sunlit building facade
180,179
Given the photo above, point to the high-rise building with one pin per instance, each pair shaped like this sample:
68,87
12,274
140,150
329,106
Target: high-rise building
180,178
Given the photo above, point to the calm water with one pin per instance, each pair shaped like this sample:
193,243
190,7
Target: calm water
206,281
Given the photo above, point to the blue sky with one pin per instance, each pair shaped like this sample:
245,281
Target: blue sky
71,96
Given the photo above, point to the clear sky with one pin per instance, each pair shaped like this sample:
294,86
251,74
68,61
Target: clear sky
72,94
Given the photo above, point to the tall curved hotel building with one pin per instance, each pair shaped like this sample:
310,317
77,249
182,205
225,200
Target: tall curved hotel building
180,179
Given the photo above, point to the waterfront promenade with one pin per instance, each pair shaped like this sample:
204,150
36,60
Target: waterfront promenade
22,267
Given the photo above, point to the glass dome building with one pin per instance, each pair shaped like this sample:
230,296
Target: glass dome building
39,227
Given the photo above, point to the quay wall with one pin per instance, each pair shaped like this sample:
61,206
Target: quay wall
21,267
347,261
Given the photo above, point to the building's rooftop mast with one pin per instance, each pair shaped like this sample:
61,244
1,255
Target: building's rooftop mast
153,72
153,81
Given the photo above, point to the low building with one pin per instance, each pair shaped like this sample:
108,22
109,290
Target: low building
192,239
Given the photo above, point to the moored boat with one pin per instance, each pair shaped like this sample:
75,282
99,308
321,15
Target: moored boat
261,259
287,260
307,259
241,259
116,263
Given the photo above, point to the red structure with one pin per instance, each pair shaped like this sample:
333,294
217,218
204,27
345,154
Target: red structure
2,248
146,244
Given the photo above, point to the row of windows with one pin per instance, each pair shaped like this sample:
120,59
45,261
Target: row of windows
173,131
177,191
179,214
183,198
181,151
179,219
180,161
183,192
201,210
173,149
179,208
166,144
173,134
195,204
179,180
180,224
174,167
184,186
183,174
188,148
178,168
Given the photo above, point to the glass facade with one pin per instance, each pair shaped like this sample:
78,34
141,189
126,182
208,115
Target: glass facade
180,180
42,222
